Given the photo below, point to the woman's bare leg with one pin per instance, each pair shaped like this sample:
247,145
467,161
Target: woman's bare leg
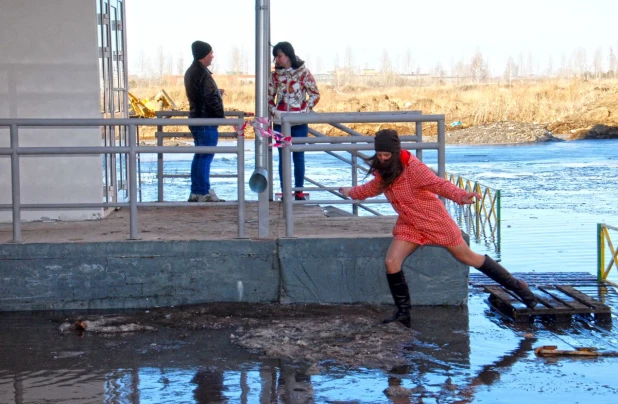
397,254
464,254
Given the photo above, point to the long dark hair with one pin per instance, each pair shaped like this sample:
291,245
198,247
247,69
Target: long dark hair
389,171
288,50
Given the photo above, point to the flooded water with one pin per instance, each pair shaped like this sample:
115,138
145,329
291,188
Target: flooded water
454,354
553,195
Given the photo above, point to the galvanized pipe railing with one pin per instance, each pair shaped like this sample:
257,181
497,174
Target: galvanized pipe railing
15,151
160,134
350,144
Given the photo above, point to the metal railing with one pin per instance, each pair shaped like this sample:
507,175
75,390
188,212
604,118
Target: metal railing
354,162
482,218
352,144
160,134
132,150
603,239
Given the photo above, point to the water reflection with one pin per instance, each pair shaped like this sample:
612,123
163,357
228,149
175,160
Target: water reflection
39,364
454,355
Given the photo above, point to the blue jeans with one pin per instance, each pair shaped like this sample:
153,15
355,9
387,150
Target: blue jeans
297,157
200,167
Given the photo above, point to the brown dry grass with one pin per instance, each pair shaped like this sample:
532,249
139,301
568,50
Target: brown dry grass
544,101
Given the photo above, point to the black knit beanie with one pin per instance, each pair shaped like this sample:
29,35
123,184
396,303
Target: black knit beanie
200,49
387,140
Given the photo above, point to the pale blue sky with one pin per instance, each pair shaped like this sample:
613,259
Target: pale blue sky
321,31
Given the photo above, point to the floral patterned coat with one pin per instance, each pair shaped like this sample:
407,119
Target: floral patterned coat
294,90
423,218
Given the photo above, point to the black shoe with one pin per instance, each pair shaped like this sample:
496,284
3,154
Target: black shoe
403,316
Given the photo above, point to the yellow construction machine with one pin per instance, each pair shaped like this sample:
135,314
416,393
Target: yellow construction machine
147,108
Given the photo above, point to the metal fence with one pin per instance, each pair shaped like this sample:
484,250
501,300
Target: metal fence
605,264
481,219
352,144
131,150
161,135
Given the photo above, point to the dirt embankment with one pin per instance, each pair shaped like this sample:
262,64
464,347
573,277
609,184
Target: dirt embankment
596,118
597,121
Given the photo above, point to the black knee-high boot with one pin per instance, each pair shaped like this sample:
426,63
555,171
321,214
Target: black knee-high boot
401,295
499,274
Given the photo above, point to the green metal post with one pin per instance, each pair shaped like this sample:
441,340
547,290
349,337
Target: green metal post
498,216
600,252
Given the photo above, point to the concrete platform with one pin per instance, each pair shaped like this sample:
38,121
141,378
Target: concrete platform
200,223
191,255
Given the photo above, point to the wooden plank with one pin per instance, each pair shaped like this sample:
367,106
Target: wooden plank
562,297
501,293
595,305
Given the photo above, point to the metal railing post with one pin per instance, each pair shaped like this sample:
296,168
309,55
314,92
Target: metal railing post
240,160
15,185
600,252
355,181
286,187
159,165
419,133
441,149
499,232
132,185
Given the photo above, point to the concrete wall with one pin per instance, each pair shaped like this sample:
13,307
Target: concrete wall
351,270
119,275
49,69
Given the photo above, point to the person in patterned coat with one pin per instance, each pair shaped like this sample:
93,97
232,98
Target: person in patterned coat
411,188
291,88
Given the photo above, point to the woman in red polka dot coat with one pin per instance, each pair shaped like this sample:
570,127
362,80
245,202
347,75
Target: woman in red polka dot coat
411,188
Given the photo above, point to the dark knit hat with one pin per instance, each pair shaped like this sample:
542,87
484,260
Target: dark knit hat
387,140
200,49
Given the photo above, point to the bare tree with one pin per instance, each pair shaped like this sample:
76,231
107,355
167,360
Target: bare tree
613,63
438,71
478,67
597,63
141,62
169,64
245,61
235,61
408,61
564,66
160,62
550,67
387,68
580,63
180,65
511,70
336,70
459,70
347,65
521,66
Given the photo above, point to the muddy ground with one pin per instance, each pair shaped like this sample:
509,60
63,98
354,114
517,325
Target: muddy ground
351,335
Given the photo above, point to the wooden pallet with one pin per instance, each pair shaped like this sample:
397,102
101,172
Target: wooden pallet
557,303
